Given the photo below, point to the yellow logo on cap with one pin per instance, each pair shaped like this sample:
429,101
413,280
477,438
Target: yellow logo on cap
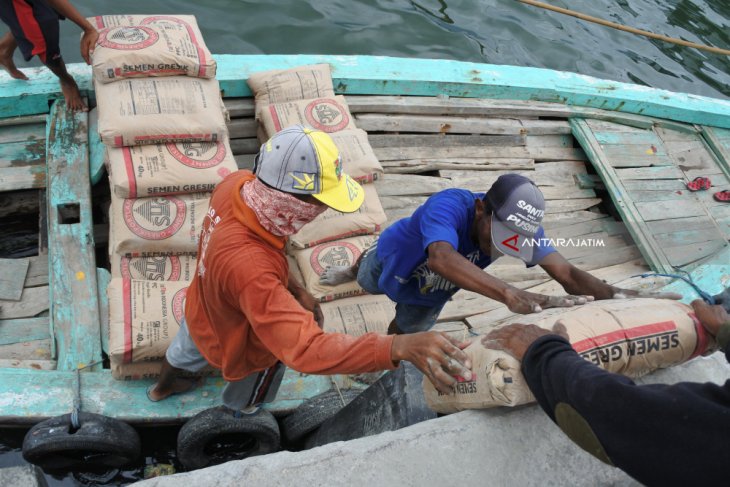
353,189
305,183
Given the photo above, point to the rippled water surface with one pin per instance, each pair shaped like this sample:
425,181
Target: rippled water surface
490,31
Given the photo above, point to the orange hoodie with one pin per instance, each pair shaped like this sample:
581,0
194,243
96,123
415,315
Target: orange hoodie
240,313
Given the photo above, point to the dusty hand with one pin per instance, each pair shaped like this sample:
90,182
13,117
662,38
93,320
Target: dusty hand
437,355
88,43
711,316
516,338
524,302
309,303
619,293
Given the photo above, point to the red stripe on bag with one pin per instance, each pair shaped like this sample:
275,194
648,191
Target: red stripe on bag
31,29
623,335
129,167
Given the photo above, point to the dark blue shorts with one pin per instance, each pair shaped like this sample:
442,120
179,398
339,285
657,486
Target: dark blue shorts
34,24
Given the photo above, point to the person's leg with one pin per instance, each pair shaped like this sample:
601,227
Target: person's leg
246,395
7,48
413,319
182,355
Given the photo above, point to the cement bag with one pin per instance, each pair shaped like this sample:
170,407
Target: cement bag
631,337
141,46
160,110
313,261
154,266
300,83
358,158
358,315
165,224
333,225
172,168
144,317
325,114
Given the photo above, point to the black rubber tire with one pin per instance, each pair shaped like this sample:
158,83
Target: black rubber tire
99,442
313,412
199,436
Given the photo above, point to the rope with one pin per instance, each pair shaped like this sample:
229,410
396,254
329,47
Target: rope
708,298
624,28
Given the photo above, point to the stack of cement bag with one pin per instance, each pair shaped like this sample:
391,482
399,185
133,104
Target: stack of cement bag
631,337
162,120
305,96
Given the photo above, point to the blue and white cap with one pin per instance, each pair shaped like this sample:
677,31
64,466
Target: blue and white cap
518,207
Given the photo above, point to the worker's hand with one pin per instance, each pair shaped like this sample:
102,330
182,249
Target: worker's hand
711,316
524,302
308,302
435,354
88,43
516,338
619,293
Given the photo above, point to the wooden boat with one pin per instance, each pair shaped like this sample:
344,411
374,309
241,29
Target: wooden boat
593,146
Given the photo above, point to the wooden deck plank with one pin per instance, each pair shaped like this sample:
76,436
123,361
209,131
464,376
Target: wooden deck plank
12,278
23,177
410,185
33,301
653,173
240,128
480,184
24,330
626,155
415,166
682,255
445,140
436,152
718,140
27,350
75,314
240,107
25,153
664,210
97,150
37,271
22,133
249,145
458,125
674,225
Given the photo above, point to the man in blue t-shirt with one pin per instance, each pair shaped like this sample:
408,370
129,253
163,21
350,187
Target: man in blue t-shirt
422,260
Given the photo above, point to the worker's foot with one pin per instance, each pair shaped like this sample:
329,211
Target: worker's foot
180,385
71,93
7,48
337,274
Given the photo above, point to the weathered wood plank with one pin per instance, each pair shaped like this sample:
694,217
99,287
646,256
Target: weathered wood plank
431,152
103,278
97,151
245,161
456,125
557,220
26,153
72,268
240,128
240,107
410,185
718,140
24,330
549,141
563,206
682,255
481,184
12,277
445,140
471,164
398,202
626,155
660,172
30,350
22,133
37,271
33,301
23,177
27,364
655,185
24,120
674,225
245,146
664,210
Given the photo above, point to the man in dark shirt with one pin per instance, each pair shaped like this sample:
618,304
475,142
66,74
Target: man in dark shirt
659,434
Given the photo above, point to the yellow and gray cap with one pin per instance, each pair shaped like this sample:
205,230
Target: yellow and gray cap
300,160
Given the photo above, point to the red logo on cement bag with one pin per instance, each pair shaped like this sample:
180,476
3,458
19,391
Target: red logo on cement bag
154,268
198,155
127,38
154,218
333,253
326,115
178,305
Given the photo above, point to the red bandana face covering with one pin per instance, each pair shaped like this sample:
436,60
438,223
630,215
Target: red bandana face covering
280,213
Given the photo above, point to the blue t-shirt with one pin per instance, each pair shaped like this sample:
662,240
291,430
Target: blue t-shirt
446,216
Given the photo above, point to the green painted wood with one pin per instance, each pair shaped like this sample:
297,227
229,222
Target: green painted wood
72,268
712,277
23,177
719,142
97,151
377,75
12,278
24,153
103,278
648,246
23,132
29,396
651,173
23,330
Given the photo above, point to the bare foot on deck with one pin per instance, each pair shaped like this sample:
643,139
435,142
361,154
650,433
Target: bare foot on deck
337,274
71,93
7,48
180,385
